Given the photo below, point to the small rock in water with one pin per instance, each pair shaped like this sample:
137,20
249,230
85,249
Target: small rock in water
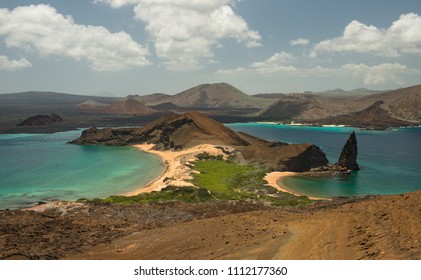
348,157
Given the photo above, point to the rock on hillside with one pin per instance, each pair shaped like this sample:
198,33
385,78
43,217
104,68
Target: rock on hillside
40,120
178,132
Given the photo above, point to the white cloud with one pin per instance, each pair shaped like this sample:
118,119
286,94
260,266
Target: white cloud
299,42
279,62
12,65
279,66
118,3
186,31
192,4
403,36
41,29
377,74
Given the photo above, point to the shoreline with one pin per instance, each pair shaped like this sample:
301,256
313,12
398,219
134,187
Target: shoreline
176,173
273,177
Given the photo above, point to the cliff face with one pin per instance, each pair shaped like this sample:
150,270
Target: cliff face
348,157
40,120
282,156
178,132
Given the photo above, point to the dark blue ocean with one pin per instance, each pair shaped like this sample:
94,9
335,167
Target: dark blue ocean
390,160
42,167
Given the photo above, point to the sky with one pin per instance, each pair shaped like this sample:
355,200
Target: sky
122,47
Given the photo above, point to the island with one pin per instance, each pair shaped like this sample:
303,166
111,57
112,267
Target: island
217,199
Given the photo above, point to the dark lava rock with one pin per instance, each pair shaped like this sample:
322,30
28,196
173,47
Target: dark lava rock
348,157
105,137
40,120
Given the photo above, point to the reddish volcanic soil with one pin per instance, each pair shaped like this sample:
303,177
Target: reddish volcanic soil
386,227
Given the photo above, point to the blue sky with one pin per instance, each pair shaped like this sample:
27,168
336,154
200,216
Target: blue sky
122,47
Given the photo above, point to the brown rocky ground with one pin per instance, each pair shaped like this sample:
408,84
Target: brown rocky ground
386,227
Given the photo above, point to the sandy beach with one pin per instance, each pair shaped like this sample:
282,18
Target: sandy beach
176,172
273,178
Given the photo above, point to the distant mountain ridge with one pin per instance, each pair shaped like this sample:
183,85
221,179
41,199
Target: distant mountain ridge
397,107
40,102
335,93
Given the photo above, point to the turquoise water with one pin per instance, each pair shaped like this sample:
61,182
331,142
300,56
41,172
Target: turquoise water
42,167
390,160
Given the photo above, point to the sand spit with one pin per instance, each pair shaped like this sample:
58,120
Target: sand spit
177,172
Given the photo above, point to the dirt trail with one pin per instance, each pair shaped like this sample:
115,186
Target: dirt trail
376,228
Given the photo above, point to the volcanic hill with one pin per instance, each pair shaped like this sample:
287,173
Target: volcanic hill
179,132
210,96
128,107
395,108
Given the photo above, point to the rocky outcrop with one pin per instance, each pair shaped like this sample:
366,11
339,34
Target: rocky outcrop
179,132
106,137
348,157
282,156
40,120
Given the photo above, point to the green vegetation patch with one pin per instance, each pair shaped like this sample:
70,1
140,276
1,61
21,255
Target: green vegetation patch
223,179
228,180
217,180
170,193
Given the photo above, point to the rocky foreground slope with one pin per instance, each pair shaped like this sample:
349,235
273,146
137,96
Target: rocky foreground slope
384,227
179,132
